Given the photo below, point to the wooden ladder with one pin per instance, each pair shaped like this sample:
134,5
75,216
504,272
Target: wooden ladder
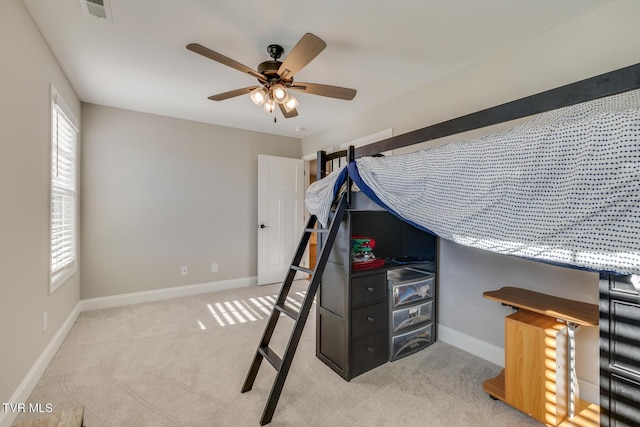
283,364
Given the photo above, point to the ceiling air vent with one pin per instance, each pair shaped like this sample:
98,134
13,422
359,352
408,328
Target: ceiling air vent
98,8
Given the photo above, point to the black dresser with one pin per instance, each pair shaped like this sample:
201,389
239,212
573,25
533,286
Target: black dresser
619,351
352,328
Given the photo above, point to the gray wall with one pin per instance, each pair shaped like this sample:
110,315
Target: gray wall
160,193
597,42
27,68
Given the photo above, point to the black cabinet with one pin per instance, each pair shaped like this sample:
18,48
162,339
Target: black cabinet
352,334
619,351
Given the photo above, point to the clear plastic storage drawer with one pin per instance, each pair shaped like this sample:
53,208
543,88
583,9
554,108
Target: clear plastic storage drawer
408,286
404,318
410,342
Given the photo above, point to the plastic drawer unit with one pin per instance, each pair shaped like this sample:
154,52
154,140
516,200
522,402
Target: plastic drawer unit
411,310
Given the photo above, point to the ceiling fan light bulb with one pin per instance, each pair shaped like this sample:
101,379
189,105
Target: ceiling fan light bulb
269,105
258,95
279,92
290,104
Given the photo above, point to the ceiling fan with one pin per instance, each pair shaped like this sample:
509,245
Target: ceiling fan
276,77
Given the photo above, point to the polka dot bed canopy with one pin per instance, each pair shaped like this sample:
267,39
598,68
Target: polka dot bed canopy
562,188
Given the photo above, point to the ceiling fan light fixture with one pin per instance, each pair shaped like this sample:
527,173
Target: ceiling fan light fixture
258,95
269,105
290,104
279,93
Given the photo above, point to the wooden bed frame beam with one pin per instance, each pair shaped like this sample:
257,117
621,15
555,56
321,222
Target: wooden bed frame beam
612,83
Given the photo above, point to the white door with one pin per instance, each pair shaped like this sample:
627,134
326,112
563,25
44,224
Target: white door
280,215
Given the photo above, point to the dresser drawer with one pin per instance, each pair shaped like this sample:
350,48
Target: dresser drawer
368,352
625,401
368,320
626,284
368,289
404,318
625,335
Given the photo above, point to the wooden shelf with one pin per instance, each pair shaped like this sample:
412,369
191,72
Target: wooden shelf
495,386
581,313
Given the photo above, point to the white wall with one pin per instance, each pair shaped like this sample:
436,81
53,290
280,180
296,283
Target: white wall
26,72
597,42
160,193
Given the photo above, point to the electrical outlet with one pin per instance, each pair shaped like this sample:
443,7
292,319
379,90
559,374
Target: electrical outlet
45,321
214,267
184,270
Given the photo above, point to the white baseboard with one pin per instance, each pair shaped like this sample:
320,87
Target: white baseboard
486,351
162,294
587,391
30,381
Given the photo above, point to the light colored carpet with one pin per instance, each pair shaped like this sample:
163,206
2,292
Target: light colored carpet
182,362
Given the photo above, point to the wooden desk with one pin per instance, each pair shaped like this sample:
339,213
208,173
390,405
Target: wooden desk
539,375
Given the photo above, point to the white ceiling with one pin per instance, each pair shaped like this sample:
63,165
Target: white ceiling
382,48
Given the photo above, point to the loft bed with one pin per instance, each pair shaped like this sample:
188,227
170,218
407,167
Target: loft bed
603,236
561,188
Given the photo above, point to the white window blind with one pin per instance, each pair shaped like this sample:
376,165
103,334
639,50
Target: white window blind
63,194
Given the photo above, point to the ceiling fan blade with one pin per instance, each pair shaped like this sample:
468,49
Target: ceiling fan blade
195,47
288,115
325,90
232,93
302,53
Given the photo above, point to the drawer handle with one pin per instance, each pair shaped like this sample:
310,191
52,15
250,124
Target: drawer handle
371,349
371,319
371,289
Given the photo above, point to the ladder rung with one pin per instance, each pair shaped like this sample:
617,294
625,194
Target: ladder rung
303,269
271,357
316,230
287,310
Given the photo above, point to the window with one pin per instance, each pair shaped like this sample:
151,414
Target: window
64,133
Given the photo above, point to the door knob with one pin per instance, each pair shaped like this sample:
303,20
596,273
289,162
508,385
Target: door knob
263,226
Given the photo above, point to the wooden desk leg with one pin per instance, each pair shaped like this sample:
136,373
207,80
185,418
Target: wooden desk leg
572,384
535,366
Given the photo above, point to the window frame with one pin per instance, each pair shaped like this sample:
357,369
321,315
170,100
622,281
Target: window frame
60,110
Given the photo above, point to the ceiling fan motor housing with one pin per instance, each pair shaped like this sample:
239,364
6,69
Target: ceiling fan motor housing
269,69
